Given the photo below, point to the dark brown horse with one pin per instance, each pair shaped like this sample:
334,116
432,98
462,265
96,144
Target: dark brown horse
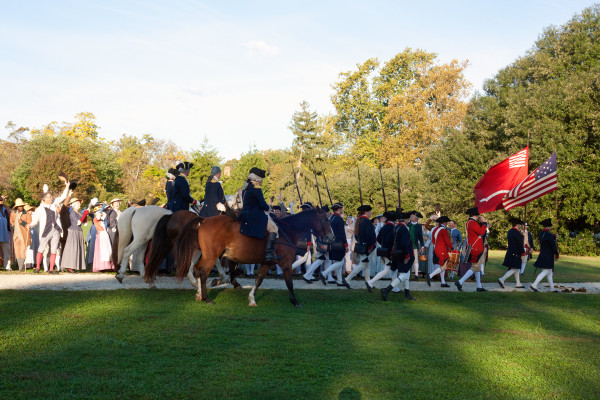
165,233
220,236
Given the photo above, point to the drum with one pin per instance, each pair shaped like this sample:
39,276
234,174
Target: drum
453,260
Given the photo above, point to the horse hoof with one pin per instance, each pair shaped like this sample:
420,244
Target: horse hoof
298,305
252,304
198,297
215,282
238,287
119,278
153,287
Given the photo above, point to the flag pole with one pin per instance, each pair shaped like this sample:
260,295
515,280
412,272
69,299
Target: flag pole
528,132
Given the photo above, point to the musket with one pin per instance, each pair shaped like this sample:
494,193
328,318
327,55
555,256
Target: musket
297,188
359,188
327,187
318,191
398,180
382,189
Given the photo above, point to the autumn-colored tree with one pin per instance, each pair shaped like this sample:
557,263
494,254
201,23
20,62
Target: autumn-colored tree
391,113
84,128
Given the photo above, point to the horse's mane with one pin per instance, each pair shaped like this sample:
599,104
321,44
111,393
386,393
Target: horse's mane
297,222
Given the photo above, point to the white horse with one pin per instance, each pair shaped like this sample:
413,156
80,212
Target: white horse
135,228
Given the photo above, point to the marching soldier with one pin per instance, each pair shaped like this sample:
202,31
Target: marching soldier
255,219
385,238
402,258
364,232
442,246
181,188
475,231
304,253
548,253
514,252
339,248
416,234
214,198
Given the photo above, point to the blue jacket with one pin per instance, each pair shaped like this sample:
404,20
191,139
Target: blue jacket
403,246
366,233
548,250
253,217
385,238
213,194
456,237
181,194
339,231
515,249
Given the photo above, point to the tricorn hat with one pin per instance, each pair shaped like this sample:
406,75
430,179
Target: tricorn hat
418,214
184,165
172,173
390,216
277,208
325,208
471,212
257,173
337,206
403,215
515,221
547,222
442,219
19,203
364,208
306,206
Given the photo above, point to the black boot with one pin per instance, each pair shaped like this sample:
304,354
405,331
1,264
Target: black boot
270,255
407,295
385,291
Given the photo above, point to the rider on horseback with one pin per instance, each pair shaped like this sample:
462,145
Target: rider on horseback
255,217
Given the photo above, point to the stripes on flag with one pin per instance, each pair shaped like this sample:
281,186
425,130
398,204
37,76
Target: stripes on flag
519,159
541,181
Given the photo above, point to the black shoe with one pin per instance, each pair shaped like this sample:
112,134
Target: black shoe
306,280
36,271
533,288
340,284
385,291
53,272
500,283
428,280
369,287
407,295
444,285
416,278
331,282
458,285
346,283
481,289
323,280
520,287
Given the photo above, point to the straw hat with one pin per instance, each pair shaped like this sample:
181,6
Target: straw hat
115,199
19,203
75,199
28,207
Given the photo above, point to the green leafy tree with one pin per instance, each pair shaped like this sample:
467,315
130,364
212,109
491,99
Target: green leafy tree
204,159
240,169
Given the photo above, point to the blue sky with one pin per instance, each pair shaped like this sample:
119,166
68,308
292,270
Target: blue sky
233,71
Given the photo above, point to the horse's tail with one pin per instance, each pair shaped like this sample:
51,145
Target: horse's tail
161,245
123,236
186,244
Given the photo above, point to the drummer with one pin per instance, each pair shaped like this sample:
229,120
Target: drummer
442,246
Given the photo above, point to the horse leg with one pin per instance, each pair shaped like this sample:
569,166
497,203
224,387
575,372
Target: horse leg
127,252
233,273
140,259
287,275
262,272
221,271
190,274
202,294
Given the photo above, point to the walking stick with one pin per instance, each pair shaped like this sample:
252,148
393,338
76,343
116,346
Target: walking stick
382,189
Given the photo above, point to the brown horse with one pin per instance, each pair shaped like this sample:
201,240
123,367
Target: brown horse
165,233
220,236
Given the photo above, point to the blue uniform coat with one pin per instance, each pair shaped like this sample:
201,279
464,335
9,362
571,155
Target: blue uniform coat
181,194
213,194
337,253
403,246
253,217
548,250
515,249
169,193
385,238
366,233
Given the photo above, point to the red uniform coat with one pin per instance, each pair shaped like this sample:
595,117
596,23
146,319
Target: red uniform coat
475,232
442,244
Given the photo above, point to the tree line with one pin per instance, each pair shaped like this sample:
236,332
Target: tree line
407,119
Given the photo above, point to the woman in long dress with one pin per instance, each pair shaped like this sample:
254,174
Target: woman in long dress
20,220
73,255
102,247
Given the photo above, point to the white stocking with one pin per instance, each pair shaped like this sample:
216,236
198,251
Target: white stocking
434,273
379,275
478,279
523,264
518,277
361,266
508,274
311,269
466,276
333,267
550,279
540,276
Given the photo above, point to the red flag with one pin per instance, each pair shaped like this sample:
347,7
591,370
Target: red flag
541,181
499,180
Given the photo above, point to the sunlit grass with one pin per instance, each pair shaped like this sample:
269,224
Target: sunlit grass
342,344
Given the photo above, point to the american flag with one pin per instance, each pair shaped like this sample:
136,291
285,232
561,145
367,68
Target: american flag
541,181
519,159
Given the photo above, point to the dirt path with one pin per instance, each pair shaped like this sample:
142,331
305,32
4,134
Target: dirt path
107,281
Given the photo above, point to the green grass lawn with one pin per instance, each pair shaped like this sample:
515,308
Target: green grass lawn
142,344
567,268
